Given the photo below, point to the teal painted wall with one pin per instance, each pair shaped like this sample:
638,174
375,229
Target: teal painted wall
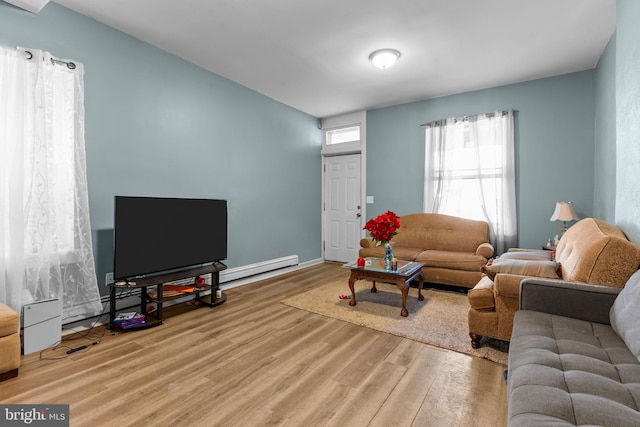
627,211
159,126
554,148
604,203
156,125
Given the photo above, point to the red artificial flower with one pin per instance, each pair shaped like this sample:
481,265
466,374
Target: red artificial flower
384,227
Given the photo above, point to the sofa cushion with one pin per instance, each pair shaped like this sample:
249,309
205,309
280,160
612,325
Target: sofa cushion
565,371
441,232
625,314
522,267
400,252
454,260
530,255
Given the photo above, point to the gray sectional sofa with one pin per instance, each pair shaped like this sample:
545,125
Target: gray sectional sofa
574,355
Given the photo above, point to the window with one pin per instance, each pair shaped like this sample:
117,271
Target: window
469,166
343,135
45,238
469,172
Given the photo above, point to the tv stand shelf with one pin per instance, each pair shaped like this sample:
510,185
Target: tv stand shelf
158,281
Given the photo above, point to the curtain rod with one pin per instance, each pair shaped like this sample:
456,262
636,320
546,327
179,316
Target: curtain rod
462,118
70,65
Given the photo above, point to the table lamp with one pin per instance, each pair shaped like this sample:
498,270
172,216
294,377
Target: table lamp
564,212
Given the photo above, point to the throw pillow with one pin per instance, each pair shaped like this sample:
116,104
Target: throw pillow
522,267
530,255
625,315
485,269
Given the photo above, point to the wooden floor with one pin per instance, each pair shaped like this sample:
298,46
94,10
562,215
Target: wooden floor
255,362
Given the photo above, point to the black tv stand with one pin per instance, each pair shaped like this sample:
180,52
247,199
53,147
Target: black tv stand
155,318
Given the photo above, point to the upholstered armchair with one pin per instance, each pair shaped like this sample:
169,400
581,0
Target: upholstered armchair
592,251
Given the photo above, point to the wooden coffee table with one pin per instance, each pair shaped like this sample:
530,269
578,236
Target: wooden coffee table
374,271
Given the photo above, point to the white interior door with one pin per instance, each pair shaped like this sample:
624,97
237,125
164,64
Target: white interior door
342,208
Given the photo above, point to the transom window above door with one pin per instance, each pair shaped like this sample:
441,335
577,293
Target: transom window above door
342,135
345,134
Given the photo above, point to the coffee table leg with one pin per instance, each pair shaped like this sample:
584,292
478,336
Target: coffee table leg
373,288
404,289
420,297
352,280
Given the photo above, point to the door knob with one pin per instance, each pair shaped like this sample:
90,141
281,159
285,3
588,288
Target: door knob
358,215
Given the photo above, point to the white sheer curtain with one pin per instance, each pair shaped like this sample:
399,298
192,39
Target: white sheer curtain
470,172
45,237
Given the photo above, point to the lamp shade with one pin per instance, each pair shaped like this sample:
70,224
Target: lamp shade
564,212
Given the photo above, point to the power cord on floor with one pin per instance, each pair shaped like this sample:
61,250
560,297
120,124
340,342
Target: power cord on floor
82,347
93,334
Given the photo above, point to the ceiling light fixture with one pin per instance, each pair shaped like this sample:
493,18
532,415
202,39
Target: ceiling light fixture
384,58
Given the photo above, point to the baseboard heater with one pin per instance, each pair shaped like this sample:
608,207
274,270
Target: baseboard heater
245,271
132,298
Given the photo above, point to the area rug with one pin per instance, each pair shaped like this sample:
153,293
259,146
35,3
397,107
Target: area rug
440,320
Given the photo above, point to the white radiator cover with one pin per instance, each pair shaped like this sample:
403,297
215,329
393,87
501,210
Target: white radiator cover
42,325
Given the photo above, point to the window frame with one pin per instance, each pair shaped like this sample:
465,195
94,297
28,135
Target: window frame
349,147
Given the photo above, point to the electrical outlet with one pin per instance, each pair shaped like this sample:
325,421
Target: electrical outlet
108,278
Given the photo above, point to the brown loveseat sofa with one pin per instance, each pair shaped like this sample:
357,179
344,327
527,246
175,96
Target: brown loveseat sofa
452,249
592,251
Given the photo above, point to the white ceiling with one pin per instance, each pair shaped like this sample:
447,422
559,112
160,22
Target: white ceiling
313,54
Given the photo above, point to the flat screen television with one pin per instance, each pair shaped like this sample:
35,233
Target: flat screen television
156,234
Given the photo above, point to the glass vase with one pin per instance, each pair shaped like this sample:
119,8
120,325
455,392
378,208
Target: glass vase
388,255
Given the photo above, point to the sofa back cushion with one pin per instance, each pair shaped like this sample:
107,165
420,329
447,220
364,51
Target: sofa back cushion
625,314
429,231
596,252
